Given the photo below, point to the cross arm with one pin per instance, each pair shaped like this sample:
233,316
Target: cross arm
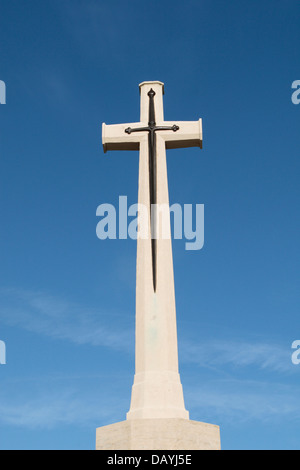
114,136
189,134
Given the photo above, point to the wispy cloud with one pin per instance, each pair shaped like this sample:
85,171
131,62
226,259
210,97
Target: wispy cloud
210,400
64,407
44,314
243,400
220,353
48,315
82,403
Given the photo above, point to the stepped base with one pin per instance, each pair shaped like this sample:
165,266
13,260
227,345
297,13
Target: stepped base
157,395
158,434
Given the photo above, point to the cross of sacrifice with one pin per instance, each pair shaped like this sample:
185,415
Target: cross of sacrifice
157,390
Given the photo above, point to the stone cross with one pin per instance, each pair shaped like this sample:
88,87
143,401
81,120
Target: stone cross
157,390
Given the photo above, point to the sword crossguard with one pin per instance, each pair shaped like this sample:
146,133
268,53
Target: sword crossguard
173,128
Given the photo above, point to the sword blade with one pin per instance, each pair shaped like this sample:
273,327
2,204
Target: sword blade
152,186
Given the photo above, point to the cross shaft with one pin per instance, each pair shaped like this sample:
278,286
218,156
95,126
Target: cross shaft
157,390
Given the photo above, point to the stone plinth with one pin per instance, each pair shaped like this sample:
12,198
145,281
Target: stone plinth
158,434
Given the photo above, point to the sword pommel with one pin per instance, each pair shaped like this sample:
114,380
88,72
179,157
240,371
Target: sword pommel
151,93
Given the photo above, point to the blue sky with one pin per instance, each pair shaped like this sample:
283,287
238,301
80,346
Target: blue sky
67,299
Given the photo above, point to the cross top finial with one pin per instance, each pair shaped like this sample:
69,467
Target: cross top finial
151,83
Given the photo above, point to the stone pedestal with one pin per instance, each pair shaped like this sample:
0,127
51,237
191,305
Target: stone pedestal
158,434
